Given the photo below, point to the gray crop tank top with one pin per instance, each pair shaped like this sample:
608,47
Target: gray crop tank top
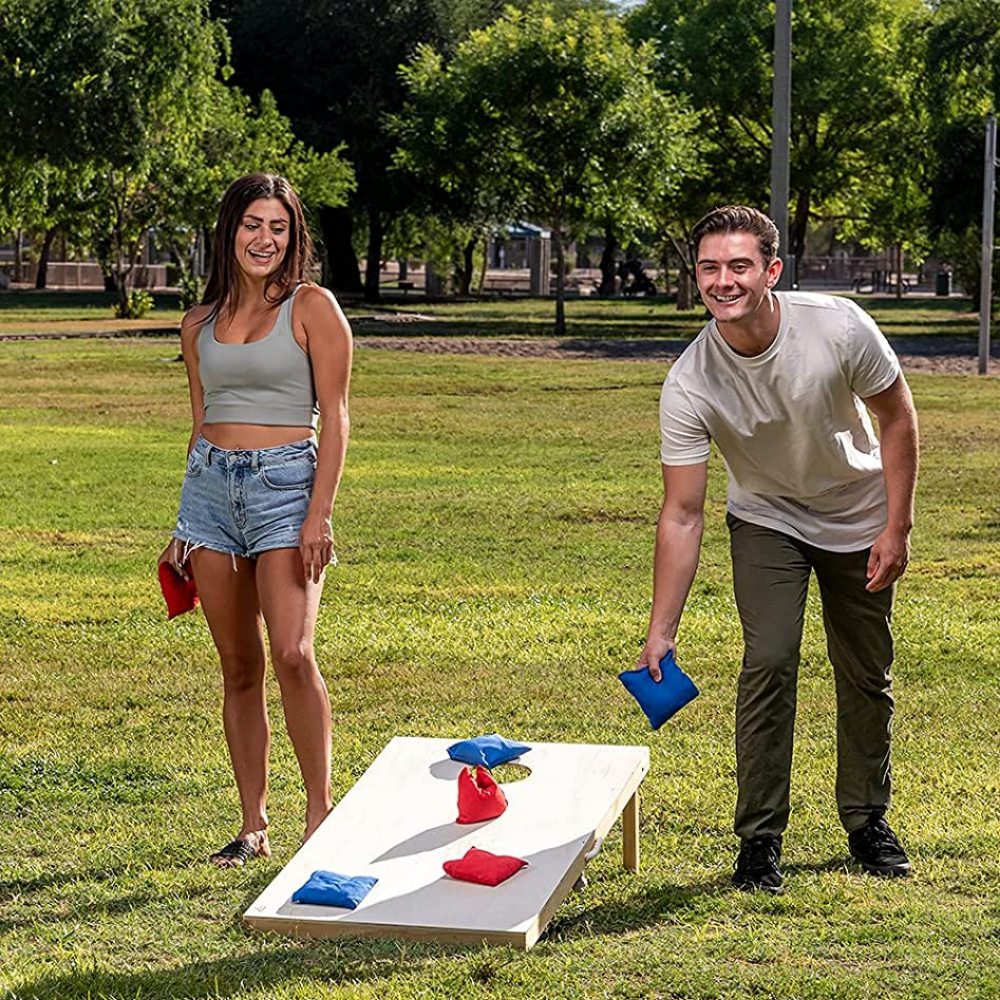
267,381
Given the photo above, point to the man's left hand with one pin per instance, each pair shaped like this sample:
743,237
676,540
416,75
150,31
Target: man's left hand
888,559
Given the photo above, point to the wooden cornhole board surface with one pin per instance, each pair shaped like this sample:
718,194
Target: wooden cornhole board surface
398,824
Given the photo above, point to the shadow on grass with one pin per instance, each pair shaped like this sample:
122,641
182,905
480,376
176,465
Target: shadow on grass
654,904
273,961
19,299
321,962
33,913
835,864
126,904
641,909
882,304
527,327
37,883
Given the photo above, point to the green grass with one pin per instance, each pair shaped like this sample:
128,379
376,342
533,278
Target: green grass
22,311
592,317
495,530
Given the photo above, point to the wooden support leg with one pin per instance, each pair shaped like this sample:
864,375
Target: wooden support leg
630,833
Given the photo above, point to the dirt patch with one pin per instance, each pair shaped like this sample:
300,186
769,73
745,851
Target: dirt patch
940,355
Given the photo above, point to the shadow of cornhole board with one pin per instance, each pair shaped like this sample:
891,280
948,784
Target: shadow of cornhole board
398,824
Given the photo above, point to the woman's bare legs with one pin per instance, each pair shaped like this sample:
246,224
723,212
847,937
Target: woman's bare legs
229,600
289,604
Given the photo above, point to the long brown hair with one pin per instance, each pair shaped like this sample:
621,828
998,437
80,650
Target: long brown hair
223,287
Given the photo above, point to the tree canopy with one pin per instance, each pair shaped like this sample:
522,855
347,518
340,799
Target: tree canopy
851,82
118,113
555,117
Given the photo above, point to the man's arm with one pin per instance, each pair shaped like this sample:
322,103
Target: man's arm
678,544
897,424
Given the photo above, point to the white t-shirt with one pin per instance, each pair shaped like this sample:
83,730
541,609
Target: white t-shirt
797,440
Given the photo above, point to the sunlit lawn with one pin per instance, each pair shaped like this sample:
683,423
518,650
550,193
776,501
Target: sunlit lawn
495,530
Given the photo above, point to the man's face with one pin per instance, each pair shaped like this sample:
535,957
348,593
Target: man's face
732,278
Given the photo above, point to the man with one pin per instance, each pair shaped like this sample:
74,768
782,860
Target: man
780,382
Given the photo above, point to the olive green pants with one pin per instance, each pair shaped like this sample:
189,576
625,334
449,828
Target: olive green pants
771,578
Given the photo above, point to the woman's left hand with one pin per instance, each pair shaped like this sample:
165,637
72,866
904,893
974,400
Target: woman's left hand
316,545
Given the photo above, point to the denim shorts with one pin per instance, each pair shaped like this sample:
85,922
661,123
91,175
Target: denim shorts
242,502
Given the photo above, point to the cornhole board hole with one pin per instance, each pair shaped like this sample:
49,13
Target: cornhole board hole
398,824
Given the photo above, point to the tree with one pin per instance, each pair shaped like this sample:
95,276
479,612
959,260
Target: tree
850,93
963,86
333,68
119,87
555,118
239,138
886,200
152,132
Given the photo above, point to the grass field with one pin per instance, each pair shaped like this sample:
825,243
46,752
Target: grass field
495,530
56,311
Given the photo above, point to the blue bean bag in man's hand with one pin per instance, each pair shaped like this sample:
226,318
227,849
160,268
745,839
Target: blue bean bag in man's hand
489,751
660,699
332,889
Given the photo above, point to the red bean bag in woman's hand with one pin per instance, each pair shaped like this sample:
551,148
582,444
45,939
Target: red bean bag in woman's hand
479,796
483,867
181,595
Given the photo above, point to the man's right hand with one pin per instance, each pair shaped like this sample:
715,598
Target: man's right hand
655,649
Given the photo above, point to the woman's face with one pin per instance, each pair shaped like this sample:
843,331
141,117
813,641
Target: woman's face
262,237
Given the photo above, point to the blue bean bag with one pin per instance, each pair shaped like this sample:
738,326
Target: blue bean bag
332,889
660,699
488,751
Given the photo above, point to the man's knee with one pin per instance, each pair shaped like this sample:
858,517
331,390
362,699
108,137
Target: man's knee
771,659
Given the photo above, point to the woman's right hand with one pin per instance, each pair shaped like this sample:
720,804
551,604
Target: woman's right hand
172,556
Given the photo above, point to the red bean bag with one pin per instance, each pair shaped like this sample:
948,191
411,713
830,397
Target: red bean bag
479,796
181,595
483,867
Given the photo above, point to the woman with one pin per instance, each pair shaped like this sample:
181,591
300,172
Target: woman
266,351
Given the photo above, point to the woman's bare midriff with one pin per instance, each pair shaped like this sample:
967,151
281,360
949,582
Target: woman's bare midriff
250,437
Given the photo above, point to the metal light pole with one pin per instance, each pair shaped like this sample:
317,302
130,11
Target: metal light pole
986,282
781,131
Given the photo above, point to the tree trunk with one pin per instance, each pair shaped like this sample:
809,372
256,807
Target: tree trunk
18,255
899,270
340,262
685,290
800,223
41,277
685,272
609,264
373,263
482,270
466,275
665,268
557,236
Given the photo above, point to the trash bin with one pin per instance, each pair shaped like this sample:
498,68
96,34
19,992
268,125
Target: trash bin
942,283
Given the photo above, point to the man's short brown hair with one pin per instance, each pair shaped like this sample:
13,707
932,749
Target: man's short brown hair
739,219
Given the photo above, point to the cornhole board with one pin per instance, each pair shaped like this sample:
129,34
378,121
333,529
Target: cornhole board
398,824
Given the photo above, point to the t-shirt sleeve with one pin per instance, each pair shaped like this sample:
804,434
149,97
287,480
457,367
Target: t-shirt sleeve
684,439
872,363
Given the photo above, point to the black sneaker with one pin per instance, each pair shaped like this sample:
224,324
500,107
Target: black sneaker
875,847
757,865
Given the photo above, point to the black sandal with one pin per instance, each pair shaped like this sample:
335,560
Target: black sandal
236,854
